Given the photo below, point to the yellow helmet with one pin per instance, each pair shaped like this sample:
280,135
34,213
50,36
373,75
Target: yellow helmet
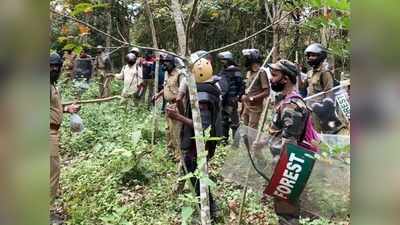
202,70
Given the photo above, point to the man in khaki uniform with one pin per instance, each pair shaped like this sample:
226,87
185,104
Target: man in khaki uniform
68,64
257,88
101,63
56,113
319,78
174,81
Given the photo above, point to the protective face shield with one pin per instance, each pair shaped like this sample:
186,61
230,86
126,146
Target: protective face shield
315,54
202,70
130,58
55,67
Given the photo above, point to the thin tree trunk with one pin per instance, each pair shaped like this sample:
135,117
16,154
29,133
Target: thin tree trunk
275,43
109,30
180,28
198,129
155,45
200,146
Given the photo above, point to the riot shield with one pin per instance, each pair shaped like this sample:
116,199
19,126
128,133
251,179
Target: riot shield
331,109
327,192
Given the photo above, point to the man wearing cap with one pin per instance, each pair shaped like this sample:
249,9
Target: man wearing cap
68,64
257,88
101,64
174,80
289,123
131,74
56,115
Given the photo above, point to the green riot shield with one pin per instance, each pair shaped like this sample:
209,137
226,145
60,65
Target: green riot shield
326,193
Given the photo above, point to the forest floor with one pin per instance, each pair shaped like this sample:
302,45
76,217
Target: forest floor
112,175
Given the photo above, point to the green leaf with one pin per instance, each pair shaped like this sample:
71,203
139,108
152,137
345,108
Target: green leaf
136,136
208,181
62,39
186,214
80,8
186,177
69,46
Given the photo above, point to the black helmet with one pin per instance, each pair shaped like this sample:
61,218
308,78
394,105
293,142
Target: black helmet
318,49
287,67
166,57
168,62
227,55
55,59
251,56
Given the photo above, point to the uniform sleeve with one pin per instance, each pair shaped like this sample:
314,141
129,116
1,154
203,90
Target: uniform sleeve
264,80
293,122
327,80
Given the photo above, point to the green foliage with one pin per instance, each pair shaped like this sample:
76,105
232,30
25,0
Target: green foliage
88,8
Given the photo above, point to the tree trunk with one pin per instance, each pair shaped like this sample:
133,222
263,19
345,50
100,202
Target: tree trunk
200,146
198,129
180,28
155,45
275,43
109,30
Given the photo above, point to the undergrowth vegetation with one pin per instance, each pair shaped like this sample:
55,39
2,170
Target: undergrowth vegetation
113,175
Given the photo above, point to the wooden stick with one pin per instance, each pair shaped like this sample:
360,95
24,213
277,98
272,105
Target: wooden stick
92,100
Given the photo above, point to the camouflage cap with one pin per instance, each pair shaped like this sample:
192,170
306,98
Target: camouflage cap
287,67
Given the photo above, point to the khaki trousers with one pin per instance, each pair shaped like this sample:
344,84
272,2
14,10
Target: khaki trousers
54,162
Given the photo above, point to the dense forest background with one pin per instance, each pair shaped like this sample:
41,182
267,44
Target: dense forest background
209,24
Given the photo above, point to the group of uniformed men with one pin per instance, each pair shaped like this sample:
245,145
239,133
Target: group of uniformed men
219,98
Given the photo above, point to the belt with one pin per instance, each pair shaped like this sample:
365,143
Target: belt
54,126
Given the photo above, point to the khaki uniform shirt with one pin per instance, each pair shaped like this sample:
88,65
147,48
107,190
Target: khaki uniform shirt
56,109
260,83
314,82
172,84
69,61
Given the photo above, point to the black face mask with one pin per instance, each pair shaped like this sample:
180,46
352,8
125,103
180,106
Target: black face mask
277,86
315,62
54,75
131,62
167,66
